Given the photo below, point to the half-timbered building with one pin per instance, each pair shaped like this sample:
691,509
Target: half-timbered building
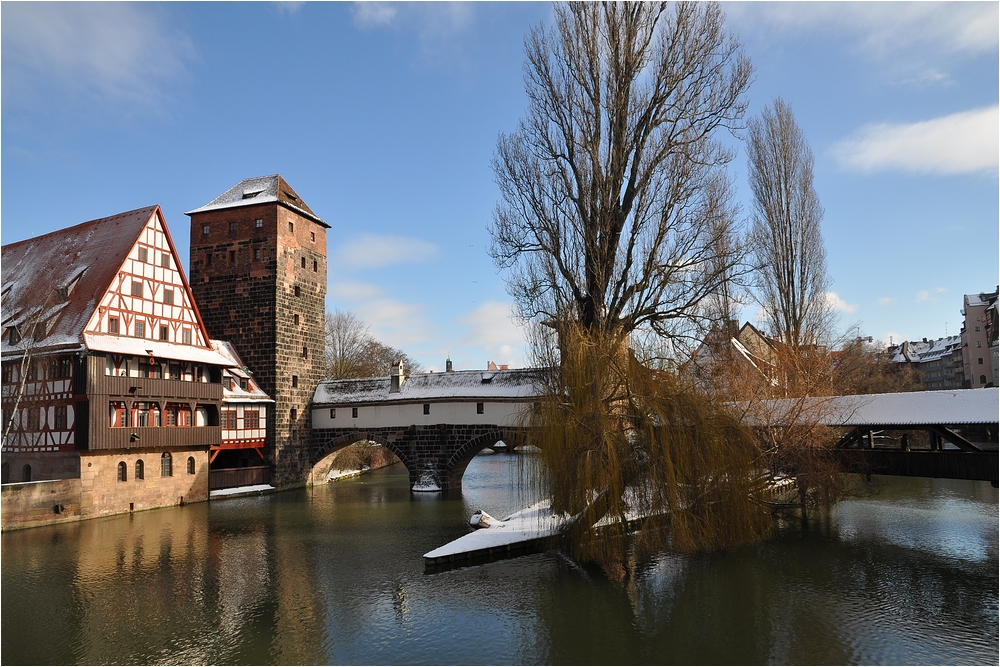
109,376
240,459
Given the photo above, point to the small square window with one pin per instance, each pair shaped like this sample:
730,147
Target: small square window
258,223
140,329
427,408
164,333
980,361
232,226
333,413
143,255
168,297
136,288
187,336
479,408
295,381
977,327
312,236
204,230
354,412
979,343
165,260
113,325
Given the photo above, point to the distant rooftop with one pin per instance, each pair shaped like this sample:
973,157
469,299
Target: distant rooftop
260,190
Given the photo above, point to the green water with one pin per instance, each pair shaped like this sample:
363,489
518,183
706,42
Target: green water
335,575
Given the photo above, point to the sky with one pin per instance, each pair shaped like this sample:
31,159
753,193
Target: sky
384,118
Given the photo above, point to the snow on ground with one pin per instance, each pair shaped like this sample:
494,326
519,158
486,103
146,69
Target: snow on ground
239,490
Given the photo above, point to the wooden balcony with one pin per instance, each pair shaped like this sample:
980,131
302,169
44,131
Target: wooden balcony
162,437
228,478
152,389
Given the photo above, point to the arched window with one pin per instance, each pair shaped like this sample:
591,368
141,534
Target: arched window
26,476
139,471
982,379
122,472
166,465
190,465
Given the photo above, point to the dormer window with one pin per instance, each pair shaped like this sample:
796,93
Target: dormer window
250,194
290,195
13,336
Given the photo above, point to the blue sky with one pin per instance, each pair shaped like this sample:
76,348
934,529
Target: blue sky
384,118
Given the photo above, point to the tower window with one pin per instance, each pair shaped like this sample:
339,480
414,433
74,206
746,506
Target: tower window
312,236
232,256
303,262
208,259
295,414
232,226
256,254
295,319
298,291
204,230
305,353
143,255
315,266
291,227
258,223
295,381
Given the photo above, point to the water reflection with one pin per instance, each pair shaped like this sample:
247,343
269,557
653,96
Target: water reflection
335,575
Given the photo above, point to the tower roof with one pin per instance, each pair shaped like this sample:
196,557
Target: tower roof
260,190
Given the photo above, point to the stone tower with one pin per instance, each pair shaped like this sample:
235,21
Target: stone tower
258,274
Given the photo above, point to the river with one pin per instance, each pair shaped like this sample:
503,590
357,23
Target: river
335,575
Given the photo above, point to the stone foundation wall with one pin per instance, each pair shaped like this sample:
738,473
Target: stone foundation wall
102,493
31,504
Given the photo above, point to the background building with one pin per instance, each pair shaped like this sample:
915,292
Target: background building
979,339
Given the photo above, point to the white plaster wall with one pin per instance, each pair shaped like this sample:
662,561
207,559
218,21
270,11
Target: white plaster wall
502,413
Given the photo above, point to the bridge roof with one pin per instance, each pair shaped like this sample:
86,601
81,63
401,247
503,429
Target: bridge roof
917,408
519,384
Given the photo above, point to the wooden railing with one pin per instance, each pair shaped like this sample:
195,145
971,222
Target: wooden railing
227,478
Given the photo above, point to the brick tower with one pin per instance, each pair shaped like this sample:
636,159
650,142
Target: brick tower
258,274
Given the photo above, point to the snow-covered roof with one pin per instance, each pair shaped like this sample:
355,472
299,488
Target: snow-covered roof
237,369
923,351
981,299
158,349
517,384
64,273
916,408
260,190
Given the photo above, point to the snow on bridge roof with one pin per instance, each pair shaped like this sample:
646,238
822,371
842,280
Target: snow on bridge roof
916,408
517,384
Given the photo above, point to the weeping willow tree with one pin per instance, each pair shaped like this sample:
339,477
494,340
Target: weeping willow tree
616,219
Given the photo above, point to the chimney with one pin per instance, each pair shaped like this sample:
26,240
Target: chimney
398,378
448,368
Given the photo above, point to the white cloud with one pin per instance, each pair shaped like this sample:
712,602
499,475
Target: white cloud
885,301
838,304
395,323
349,290
880,28
115,51
370,251
492,327
369,14
961,143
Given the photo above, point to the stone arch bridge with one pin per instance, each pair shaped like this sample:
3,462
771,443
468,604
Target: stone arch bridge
435,423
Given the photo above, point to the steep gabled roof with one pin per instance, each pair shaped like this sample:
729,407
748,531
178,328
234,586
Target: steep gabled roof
260,190
58,278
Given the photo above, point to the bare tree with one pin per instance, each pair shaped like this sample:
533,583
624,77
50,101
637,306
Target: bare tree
611,209
352,352
786,229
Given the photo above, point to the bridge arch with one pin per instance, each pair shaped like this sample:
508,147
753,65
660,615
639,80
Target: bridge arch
459,461
329,444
